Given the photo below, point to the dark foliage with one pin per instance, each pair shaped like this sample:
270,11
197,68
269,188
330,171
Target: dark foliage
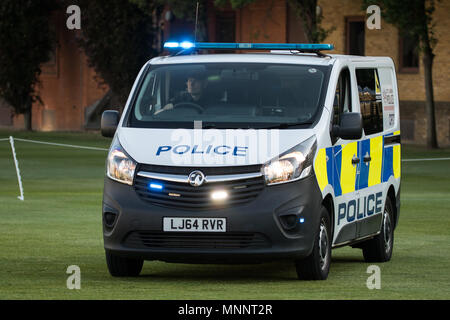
26,42
118,38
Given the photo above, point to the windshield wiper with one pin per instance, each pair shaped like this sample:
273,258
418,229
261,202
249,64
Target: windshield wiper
288,125
278,126
213,126
209,126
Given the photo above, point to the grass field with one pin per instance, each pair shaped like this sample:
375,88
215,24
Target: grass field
59,224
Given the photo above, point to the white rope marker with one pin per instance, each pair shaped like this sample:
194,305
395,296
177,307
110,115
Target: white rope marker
11,140
62,145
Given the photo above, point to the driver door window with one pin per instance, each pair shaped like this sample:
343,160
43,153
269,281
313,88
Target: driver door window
342,97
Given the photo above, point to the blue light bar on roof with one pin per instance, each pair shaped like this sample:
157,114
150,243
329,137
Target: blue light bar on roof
173,45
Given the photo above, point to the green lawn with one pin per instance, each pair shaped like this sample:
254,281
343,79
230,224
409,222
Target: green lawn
59,224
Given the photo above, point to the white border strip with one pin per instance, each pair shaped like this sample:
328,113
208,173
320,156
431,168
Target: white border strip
11,141
426,159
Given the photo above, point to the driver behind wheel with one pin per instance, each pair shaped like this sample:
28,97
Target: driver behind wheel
196,84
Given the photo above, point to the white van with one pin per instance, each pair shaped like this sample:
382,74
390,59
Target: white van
246,158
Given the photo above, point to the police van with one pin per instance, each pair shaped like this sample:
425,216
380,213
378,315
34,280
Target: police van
280,154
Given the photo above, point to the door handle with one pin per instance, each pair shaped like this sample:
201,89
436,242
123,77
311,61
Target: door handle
367,159
355,160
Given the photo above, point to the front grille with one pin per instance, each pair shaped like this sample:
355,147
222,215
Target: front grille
206,170
185,196
190,240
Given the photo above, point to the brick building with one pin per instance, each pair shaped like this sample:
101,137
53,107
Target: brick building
69,86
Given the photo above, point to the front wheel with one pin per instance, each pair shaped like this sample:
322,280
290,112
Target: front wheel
123,267
317,265
379,249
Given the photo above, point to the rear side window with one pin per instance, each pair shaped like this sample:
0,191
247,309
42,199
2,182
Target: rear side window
370,100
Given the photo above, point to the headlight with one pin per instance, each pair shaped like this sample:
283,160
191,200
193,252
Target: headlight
120,166
292,165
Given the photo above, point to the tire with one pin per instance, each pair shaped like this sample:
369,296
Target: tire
123,267
317,265
380,248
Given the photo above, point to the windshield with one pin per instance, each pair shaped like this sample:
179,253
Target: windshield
229,95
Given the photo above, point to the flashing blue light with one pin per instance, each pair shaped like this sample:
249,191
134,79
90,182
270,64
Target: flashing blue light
171,45
247,46
302,220
156,186
187,44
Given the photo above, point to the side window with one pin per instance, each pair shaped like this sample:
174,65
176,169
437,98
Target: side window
370,100
148,99
342,98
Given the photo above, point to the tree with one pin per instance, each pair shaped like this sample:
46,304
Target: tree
26,42
118,39
304,9
414,18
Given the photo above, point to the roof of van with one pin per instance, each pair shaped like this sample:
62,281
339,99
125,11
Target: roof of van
272,57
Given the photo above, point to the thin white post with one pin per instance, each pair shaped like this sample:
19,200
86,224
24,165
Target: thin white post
11,140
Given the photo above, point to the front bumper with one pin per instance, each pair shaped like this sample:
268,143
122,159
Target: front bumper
273,218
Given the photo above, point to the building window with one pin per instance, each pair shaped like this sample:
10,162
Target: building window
355,35
51,66
295,29
225,26
222,27
408,54
181,29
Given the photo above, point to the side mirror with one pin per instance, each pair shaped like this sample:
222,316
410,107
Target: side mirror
109,122
350,127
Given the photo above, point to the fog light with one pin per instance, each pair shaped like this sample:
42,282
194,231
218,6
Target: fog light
288,221
219,195
110,218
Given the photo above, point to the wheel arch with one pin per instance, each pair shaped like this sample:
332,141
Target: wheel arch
328,203
391,196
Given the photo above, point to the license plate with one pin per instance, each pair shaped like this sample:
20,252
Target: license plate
195,224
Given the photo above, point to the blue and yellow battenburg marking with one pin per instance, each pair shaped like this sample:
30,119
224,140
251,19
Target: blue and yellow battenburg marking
397,158
333,165
348,170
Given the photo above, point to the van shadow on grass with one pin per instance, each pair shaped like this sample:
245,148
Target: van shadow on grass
277,271
208,272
